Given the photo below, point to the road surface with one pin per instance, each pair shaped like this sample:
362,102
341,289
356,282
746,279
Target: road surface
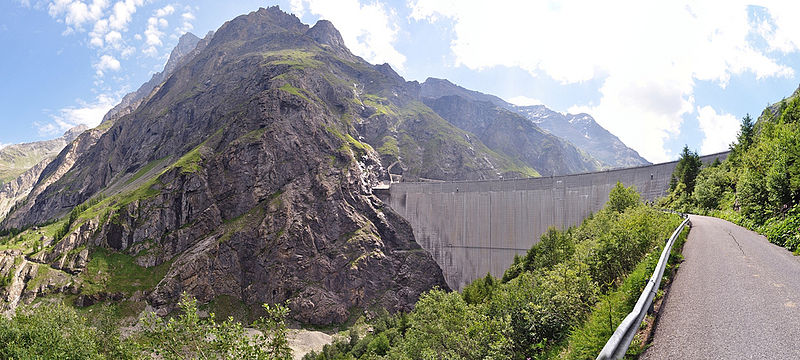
736,296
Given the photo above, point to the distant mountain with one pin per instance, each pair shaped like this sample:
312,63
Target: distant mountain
581,130
509,133
21,165
17,158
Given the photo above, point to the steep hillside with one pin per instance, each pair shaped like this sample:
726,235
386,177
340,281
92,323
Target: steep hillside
509,133
247,175
585,133
505,131
18,158
15,160
579,130
188,46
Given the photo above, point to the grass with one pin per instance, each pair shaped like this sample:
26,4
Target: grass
381,105
389,147
25,240
296,59
113,272
250,137
349,141
294,91
248,220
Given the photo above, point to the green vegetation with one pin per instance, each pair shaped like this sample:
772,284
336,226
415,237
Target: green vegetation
296,59
294,91
188,336
114,272
349,141
758,186
547,304
389,147
56,331
381,105
74,215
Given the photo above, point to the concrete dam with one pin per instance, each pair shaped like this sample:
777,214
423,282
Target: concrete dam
474,227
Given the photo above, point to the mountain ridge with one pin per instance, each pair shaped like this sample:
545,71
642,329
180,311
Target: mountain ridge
587,135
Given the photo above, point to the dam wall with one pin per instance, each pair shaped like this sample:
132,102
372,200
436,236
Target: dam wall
474,227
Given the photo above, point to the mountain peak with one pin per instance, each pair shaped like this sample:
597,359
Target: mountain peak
324,32
72,133
186,44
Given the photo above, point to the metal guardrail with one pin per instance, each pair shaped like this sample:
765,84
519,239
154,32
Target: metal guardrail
618,344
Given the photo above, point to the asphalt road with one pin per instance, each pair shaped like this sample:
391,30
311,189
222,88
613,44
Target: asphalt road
736,296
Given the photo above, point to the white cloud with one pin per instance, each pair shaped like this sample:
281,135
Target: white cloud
719,129
113,38
123,13
107,62
186,25
89,114
154,33
75,12
647,55
524,101
368,30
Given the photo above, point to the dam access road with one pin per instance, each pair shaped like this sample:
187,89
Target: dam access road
735,296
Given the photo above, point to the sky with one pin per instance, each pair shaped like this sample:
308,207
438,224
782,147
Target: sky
658,74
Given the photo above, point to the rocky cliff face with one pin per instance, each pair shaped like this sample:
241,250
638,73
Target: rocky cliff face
247,174
505,131
15,158
580,130
583,131
188,46
18,158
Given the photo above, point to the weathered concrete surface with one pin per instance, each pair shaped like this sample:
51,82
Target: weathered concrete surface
735,296
475,227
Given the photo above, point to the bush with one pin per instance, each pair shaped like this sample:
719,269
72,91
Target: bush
621,198
48,332
188,336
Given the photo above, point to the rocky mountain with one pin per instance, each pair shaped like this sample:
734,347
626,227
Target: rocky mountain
22,164
246,176
17,158
510,133
55,166
581,130
188,46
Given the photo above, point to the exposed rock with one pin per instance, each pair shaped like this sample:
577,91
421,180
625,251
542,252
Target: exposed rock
508,132
188,46
265,193
50,175
22,164
583,131
17,158
84,300
580,130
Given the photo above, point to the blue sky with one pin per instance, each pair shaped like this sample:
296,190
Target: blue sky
658,75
